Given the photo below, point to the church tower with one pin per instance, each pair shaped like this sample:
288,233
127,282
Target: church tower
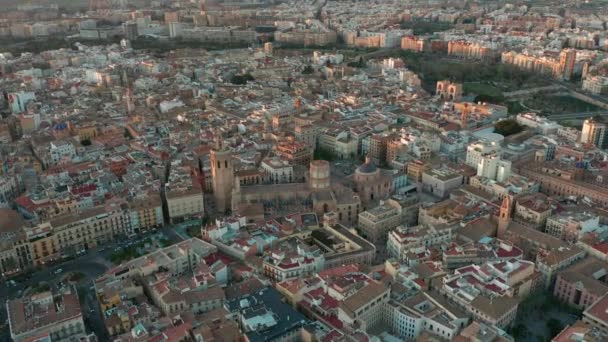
222,173
504,218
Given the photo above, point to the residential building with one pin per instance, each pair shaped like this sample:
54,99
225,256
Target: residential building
583,283
476,151
425,311
572,225
405,240
487,249
596,316
377,222
594,133
532,210
263,316
439,182
487,291
50,315
184,203
284,262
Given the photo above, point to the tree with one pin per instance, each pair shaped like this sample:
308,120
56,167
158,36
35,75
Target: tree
241,79
128,134
322,154
358,64
308,70
507,127
554,326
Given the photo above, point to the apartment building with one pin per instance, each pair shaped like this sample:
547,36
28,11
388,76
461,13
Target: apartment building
487,291
583,283
488,249
440,182
365,306
403,240
184,203
572,225
375,223
295,152
425,312
90,228
596,316
289,261
49,315
277,170
533,210
478,150
146,213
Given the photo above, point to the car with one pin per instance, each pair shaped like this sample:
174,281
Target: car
58,271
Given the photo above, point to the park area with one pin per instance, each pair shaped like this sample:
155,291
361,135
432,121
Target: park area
540,317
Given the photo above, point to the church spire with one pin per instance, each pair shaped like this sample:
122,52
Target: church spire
504,217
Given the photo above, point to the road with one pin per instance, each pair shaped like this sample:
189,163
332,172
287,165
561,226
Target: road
92,264
580,115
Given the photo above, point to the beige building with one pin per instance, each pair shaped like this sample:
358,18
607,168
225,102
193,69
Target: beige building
594,133
90,228
402,240
377,222
182,204
440,182
366,306
56,315
146,213
533,210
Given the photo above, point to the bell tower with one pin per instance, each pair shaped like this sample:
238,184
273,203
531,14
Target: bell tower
222,173
504,217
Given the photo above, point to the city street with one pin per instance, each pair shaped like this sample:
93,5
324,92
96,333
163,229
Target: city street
92,264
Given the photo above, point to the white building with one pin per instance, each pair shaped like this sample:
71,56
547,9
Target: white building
542,125
476,151
166,106
60,150
278,171
422,312
18,101
494,168
597,85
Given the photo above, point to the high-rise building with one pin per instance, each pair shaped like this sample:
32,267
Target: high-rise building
130,30
594,133
222,172
567,58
